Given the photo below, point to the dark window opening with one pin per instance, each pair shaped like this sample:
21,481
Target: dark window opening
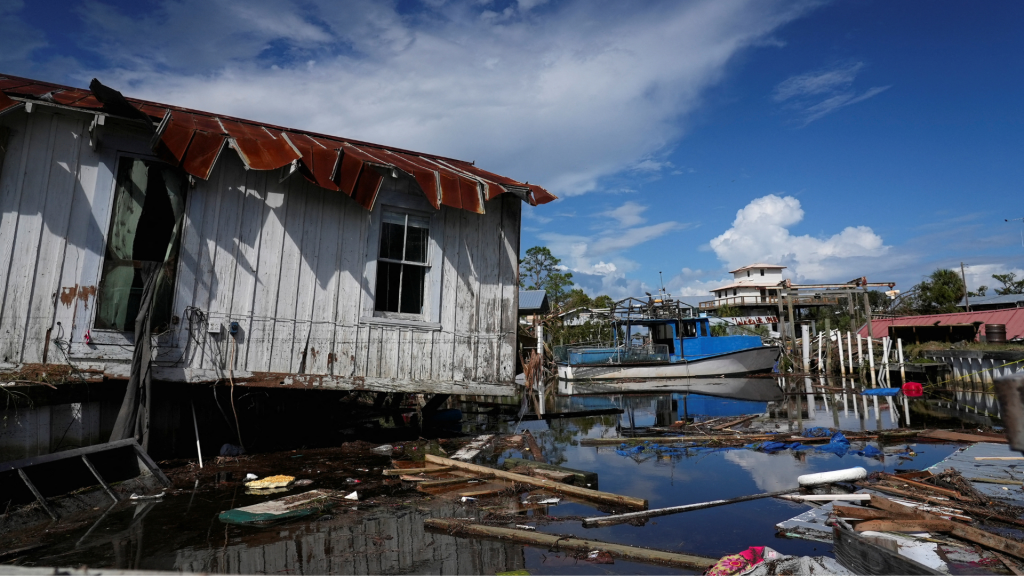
143,239
703,328
402,263
762,271
689,330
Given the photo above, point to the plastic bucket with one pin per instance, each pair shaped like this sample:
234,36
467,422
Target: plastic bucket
995,332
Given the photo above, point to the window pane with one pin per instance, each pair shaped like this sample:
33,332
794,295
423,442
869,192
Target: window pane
416,243
388,283
412,289
391,240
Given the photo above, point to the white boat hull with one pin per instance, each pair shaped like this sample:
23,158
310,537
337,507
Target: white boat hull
738,363
737,388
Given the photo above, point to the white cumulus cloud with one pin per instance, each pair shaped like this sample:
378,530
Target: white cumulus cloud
760,233
560,95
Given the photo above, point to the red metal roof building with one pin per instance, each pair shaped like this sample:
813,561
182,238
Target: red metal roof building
193,140
1013,318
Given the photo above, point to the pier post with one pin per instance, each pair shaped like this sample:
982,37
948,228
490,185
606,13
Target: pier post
839,348
849,351
871,360
899,351
806,345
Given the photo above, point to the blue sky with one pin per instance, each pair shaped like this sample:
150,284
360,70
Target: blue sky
841,139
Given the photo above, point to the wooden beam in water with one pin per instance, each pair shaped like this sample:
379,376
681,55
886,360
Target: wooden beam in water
550,541
585,493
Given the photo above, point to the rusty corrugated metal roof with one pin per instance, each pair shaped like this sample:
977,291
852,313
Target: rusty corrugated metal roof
193,140
1013,318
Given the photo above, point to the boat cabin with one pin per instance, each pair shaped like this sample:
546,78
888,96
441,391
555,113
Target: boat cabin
688,338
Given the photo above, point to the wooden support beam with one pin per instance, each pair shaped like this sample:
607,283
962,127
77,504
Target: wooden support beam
39,495
552,542
448,482
585,493
99,478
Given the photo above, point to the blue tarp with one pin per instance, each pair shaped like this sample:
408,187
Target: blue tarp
881,392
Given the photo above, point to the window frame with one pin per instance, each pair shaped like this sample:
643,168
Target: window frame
108,336
396,200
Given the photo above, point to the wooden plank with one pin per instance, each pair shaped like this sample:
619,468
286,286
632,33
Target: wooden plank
937,525
975,535
374,340
352,252
422,355
535,450
247,257
325,291
489,247
22,147
581,477
308,288
509,280
231,189
860,513
207,253
467,299
923,486
961,437
444,341
24,255
999,457
281,358
553,542
405,354
268,275
189,269
592,495
388,352
60,194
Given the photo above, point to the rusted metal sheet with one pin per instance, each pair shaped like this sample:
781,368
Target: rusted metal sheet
260,148
7,104
318,160
193,139
176,133
202,154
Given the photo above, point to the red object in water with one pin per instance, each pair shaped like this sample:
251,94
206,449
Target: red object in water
913,390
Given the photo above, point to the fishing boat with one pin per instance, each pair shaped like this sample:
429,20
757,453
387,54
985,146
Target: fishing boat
658,340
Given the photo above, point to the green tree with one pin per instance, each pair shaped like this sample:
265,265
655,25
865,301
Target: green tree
978,293
540,270
603,301
1010,284
577,298
939,293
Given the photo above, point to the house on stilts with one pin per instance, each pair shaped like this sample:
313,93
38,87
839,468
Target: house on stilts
271,256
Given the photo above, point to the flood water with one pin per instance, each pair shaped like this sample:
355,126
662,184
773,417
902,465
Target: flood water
182,532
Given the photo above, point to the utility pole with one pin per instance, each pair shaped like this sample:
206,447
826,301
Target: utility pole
963,277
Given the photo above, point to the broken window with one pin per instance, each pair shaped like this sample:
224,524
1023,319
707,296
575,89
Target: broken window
402,263
143,240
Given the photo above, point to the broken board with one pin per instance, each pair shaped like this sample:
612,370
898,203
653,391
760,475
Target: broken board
281,509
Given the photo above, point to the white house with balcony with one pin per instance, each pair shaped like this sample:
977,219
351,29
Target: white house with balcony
754,289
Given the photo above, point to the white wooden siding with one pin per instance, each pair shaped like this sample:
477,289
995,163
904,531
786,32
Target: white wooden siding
289,261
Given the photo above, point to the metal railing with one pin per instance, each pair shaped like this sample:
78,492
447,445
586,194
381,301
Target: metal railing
576,355
769,301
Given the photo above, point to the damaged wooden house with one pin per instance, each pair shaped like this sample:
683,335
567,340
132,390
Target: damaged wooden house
258,254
